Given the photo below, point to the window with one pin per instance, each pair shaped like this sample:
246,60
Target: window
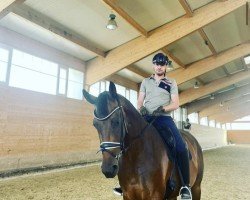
193,118
75,84
102,86
33,73
218,125
95,89
178,115
37,74
240,126
133,97
4,57
228,126
212,123
127,94
62,81
246,118
204,121
184,114
120,90
223,126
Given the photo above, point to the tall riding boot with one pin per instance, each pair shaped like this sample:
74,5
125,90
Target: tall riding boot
183,164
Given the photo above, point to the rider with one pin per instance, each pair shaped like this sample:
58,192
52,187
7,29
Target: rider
158,96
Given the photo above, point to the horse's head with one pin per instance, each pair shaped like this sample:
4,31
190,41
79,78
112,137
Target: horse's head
111,126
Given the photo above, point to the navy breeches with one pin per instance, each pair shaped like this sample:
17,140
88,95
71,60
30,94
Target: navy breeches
163,124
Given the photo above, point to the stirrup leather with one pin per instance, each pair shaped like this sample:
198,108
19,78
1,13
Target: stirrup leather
189,191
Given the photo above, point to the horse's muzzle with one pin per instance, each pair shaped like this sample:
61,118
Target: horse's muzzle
110,171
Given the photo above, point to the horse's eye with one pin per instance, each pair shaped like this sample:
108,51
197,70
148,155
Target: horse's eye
114,123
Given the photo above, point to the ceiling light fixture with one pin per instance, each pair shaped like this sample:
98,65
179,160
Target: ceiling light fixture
196,85
112,25
247,60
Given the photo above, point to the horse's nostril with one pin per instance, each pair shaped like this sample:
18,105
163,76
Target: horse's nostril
115,167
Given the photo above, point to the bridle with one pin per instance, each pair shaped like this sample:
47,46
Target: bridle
107,145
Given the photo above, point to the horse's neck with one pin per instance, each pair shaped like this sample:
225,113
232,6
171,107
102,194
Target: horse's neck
144,140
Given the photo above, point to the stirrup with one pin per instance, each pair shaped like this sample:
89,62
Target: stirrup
117,191
185,196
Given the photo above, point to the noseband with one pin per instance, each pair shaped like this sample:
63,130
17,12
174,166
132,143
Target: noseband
106,146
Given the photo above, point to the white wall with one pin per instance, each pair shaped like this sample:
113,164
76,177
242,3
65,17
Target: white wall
209,137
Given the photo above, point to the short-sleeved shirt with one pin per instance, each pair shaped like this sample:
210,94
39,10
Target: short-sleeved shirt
158,93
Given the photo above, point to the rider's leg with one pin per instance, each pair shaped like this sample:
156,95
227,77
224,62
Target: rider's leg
182,155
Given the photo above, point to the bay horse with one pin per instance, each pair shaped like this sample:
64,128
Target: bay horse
133,150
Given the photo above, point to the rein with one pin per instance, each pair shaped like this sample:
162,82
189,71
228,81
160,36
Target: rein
140,135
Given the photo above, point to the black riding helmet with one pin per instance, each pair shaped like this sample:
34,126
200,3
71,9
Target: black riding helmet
160,59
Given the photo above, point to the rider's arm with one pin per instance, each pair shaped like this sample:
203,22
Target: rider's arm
174,103
140,100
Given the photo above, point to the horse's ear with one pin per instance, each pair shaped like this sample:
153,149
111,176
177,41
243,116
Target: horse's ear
112,89
90,98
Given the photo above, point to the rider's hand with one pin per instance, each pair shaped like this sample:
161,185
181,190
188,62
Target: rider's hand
158,111
143,111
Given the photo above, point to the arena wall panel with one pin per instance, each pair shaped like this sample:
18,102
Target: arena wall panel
38,130
209,137
238,136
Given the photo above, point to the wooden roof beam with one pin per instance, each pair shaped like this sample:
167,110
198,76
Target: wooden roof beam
189,13
200,81
207,41
220,109
232,113
136,49
56,28
192,94
114,6
186,7
231,119
123,81
226,71
203,66
221,97
137,71
172,57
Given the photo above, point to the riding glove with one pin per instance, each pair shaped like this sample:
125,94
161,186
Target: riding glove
143,111
158,111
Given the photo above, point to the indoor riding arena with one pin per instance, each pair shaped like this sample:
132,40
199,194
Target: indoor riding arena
52,146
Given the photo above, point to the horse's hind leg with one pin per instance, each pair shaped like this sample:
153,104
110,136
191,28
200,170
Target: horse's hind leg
196,193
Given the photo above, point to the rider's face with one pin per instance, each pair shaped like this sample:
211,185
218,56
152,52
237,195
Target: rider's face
159,70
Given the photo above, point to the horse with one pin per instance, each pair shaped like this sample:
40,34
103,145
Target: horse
133,150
